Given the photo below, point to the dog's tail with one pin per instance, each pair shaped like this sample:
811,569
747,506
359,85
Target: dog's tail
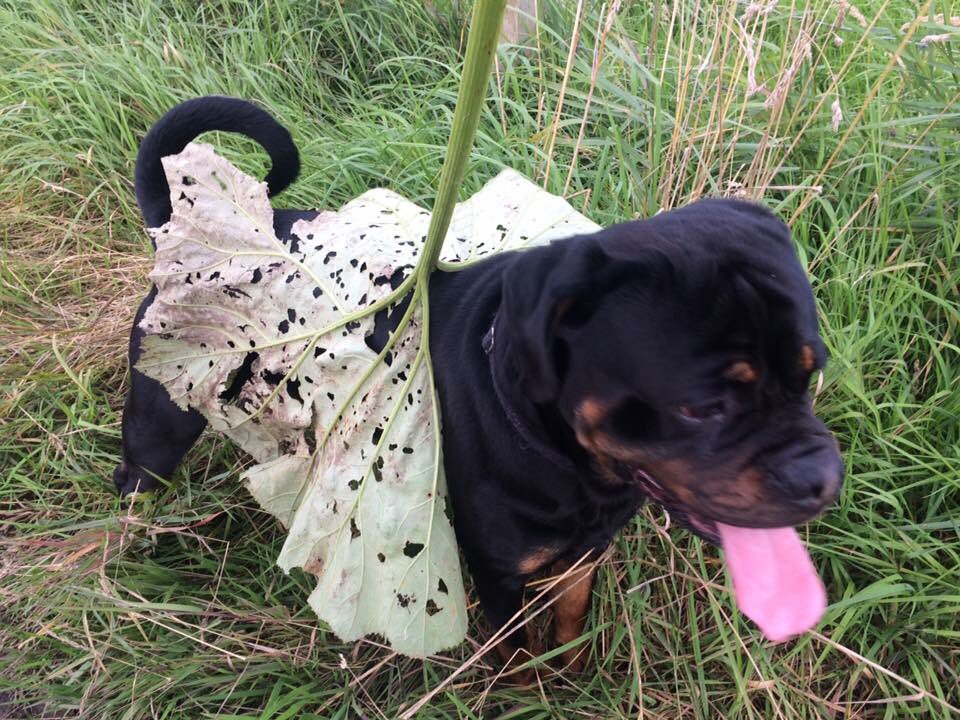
186,121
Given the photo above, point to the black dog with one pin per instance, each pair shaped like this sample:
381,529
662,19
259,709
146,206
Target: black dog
666,359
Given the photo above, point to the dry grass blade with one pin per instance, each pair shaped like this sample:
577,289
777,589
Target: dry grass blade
522,617
860,113
558,111
920,693
601,41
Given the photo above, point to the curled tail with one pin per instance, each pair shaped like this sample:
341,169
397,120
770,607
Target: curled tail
186,121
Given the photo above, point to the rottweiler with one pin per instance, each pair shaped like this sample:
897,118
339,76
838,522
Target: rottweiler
666,359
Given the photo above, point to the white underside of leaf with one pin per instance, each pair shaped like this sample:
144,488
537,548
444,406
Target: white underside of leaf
348,444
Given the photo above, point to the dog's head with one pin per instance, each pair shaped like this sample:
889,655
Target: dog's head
679,351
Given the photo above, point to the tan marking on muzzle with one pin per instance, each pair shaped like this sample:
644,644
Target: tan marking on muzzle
676,476
741,372
683,493
589,414
736,487
746,490
808,360
738,491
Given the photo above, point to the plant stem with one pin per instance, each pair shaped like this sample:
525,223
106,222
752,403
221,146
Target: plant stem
481,47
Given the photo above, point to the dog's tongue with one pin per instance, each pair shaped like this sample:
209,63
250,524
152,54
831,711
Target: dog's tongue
774,580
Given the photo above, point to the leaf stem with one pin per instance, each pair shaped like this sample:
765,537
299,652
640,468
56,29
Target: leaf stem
481,47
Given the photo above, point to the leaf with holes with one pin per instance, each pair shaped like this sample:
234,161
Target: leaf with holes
282,341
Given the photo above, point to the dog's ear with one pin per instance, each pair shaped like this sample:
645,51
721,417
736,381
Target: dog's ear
544,289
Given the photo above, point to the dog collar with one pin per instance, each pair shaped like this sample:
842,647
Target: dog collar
487,342
528,441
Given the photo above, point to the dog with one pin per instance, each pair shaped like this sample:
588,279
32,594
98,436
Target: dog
664,360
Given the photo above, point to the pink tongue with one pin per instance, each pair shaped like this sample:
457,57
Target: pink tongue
774,581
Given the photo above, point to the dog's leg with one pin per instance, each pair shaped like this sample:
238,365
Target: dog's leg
570,608
501,598
156,433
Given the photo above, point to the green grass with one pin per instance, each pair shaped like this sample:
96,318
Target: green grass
186,616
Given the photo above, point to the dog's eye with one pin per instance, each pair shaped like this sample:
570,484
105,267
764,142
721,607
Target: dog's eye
708,411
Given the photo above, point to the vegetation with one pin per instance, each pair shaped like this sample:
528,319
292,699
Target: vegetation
842,118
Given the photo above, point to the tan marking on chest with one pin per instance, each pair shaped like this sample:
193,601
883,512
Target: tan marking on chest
536,560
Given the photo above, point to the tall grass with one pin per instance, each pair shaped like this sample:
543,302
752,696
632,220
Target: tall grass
841,117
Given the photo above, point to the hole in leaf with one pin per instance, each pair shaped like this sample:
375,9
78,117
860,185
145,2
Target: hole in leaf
293,390
412,549
238,377
385,321
271,378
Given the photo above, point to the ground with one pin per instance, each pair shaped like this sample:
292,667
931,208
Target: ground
841,118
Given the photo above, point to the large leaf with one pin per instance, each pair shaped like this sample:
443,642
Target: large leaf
270,340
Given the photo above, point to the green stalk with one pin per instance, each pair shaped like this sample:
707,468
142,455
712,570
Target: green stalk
481,46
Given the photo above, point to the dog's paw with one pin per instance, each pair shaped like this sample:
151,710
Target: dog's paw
129,479
574,660
512,658
519,679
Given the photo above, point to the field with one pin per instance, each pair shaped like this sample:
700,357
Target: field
842,118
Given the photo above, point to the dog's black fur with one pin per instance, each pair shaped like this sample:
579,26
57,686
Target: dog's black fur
665,359
156,433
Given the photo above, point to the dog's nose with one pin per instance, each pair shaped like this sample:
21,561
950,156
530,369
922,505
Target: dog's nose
812,475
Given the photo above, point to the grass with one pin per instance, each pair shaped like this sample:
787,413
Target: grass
844,120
